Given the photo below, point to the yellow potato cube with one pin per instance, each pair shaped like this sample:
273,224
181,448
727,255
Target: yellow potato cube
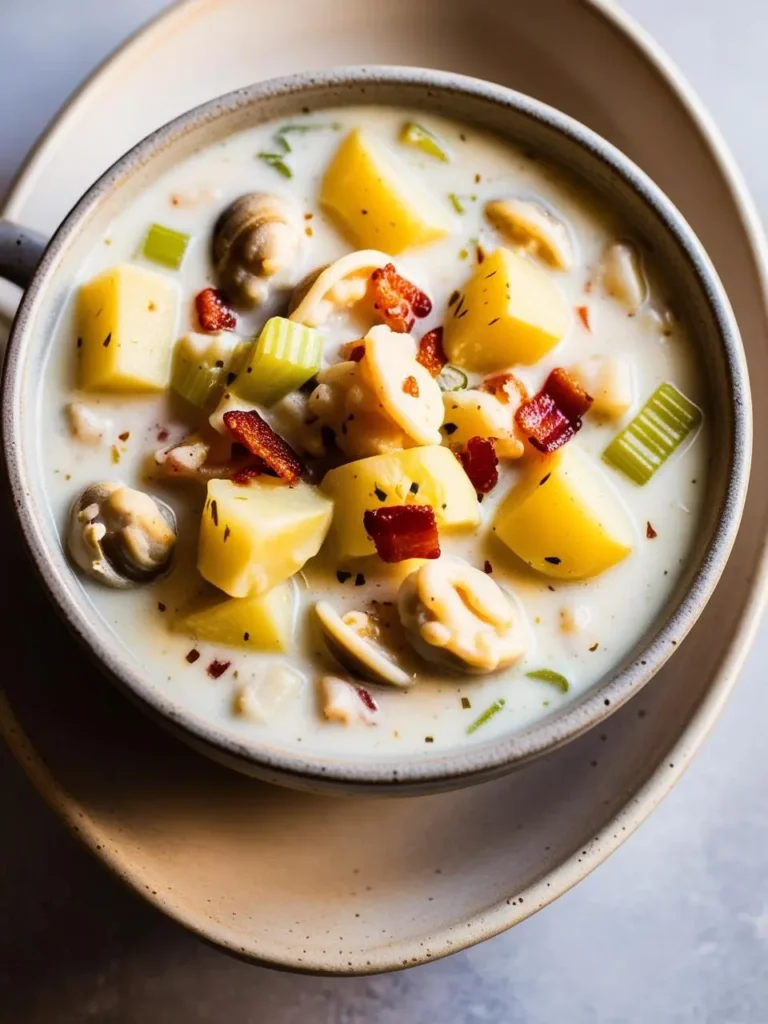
377,201
510,311
126,321
254,537
259,623
418,476
564,519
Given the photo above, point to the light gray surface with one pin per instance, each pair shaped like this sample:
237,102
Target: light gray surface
674,928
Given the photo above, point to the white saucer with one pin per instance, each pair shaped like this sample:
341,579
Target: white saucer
350,885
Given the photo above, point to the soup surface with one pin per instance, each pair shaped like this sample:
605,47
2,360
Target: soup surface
546,439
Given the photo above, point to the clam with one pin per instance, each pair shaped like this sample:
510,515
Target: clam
120,536
531,227
335,287
352,640
256,243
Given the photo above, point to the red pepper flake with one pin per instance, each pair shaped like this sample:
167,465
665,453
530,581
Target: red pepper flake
403,531
357,353
124,436
397,301
411,387
255,434
480,462
213,312
431,354
553,416
192,656
583,312
162,435
488,568
506,387
367,698
650,533
217,668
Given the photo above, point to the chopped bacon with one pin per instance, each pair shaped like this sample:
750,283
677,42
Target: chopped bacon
255,434
213,312
431,354
217,668
403,531
411,387
583,312
481,464
367,698
553,416
244,476
505,386
357,353
397,301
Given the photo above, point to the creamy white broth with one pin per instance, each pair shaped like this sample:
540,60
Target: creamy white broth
612,610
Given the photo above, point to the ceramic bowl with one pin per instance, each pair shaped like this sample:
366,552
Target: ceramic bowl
524,121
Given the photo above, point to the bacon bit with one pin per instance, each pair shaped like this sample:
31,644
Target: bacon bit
650,533
431,354
505,386
162,435
244,476
213,312
411,387
553,416
124,436
250,430
357,353
398,301
583,312
488,568
217,668
481,464
403,531
367,698
192,656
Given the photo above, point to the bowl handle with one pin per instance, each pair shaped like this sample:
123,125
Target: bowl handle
20,252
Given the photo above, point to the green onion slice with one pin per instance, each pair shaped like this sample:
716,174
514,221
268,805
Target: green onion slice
486,716
276,160
415,135
283,358
451,378
165,246
666,420
547,675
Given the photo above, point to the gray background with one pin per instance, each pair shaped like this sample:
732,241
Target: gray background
674,928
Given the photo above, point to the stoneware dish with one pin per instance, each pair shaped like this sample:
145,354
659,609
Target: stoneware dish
690,276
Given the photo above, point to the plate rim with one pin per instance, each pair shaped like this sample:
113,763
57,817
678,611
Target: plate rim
657,783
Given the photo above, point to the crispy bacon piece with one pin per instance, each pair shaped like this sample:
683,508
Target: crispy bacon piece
431,354
255,434
397,301
411,387
553,416
403,531
583,312
217,668
506,387
213,312
367,698
244,476
480,462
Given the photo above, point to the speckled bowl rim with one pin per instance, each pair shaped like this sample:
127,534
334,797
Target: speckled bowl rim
480,761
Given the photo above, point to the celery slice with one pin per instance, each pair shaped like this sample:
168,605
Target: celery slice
202,364
415,135
165,246
451,378
486,716
285,356
656,432
548,675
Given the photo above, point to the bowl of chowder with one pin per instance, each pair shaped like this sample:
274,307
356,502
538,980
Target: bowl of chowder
379,429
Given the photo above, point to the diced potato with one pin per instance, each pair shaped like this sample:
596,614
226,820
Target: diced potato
474,413
510,311
254,537
610,382
126,319
420,476
377,200
259,623
564,519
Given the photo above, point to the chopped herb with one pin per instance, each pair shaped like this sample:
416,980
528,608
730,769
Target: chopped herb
342,576
421,138
192,656
650,533
449,428
454,298
465,703
359,580
494,321
460,306
227,532
547,675
553,560
381,495
217,668
414,488
463,254
215,512
544,479
115,454
276,161
107,340
486,716
493,273
456,203
429,739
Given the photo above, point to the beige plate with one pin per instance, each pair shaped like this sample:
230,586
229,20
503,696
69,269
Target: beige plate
353,885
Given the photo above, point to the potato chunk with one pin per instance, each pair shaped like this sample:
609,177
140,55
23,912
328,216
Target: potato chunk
126,319
376,199
259,623
509,312
420,476
564,519
254,537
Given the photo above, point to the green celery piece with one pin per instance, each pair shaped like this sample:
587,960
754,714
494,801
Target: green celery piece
165,246
486,716
202,364
547,675
655,433
415,135
285,356
451,378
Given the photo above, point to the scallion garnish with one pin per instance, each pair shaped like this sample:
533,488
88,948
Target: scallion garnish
486,716
451,378
658,430
165,246
416,135
276,160
547,675
456,203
